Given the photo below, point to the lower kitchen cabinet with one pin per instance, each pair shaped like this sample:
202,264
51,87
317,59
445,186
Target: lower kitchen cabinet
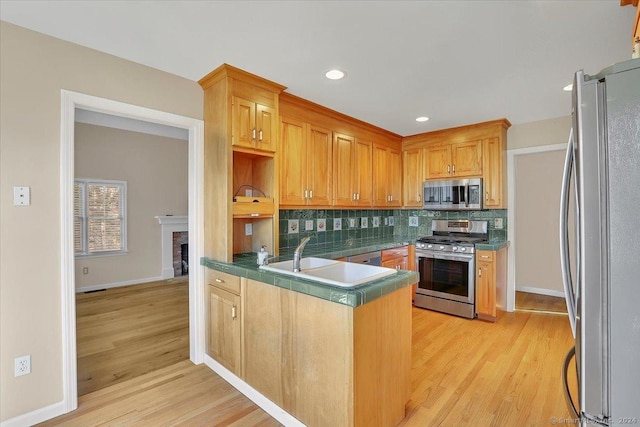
397,258
224,320
491,275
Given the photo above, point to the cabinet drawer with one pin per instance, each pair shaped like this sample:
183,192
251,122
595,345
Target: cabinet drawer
400,252
486,256
250,210
222,280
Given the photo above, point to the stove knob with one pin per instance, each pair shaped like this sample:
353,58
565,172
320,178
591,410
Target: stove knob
463,249
441,247
455,249
429,246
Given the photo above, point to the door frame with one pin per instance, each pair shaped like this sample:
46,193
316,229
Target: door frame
69,102
511,214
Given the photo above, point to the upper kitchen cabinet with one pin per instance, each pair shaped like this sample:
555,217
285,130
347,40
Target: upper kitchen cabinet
414,175
254,125
240,179
477,151
351,171
352,180
305,164
455,160
387,176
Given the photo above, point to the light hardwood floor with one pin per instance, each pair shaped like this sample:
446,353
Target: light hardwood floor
464,373
131,330
529,301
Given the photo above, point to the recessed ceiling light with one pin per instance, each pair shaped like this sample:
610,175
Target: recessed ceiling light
334,74
422,119
568,88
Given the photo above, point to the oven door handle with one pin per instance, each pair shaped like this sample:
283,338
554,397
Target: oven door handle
466,195
451,257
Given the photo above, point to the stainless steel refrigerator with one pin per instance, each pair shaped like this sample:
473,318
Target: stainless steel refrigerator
602,175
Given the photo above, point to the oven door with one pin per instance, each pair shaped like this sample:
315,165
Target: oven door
447,276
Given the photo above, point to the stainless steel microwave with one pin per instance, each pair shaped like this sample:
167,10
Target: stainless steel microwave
462,194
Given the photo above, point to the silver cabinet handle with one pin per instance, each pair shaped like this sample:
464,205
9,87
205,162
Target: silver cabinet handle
357,196
448,168
454,168
354,197
260,135
486,196
253,133
479,272
233,312
484,256
419,198
306,194
219,281
311,194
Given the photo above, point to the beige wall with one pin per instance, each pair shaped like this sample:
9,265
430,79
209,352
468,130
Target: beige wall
33,70
537,202
156,170
542,132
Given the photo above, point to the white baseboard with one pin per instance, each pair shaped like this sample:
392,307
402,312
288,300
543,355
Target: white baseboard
117,284
256,397
540,291
35,417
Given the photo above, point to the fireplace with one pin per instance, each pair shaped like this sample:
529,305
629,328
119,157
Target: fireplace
169,227
180,253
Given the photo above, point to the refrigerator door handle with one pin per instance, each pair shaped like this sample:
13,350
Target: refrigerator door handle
569,294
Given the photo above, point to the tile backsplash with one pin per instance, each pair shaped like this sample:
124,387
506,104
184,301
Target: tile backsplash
333,226
405,221
337,226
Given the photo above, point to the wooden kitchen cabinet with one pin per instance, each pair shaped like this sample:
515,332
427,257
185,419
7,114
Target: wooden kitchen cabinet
455,160
305,164
254,125
240,139
477,150
224,329
491,274
413,177
352,181
494,159
397,258
387,176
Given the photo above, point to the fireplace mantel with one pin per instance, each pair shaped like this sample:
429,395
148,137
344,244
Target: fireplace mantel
170,224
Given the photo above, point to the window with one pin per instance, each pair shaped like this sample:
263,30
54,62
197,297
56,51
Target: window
100,217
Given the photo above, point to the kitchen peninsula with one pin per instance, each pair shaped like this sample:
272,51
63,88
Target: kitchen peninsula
328,356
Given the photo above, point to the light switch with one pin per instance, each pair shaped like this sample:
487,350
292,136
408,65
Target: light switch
498,224
248,229
21,196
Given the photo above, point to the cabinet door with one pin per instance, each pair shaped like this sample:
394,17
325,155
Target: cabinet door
343,161
380,176
243,122
224,328
485,289
319,160
466,158
363,173
492,156
413,178
266,128
438,161
394,177
293,165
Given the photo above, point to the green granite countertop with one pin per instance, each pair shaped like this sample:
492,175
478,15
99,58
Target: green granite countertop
245,265
492,245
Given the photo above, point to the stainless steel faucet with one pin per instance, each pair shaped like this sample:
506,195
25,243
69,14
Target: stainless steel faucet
297,254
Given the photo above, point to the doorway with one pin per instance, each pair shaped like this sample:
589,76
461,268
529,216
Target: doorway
71,101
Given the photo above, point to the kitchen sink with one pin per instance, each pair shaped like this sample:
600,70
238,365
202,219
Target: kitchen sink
336,273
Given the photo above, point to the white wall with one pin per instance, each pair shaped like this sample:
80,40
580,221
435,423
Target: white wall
34,68
156,171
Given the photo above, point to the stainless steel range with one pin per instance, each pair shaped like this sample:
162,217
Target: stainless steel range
445,263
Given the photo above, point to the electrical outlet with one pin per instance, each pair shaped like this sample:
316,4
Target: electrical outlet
498,224
22,365
85,270
248,229
248,193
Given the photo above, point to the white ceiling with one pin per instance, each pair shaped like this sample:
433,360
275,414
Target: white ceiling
458,62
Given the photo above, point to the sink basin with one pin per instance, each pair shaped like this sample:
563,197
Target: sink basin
335,273
305,264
